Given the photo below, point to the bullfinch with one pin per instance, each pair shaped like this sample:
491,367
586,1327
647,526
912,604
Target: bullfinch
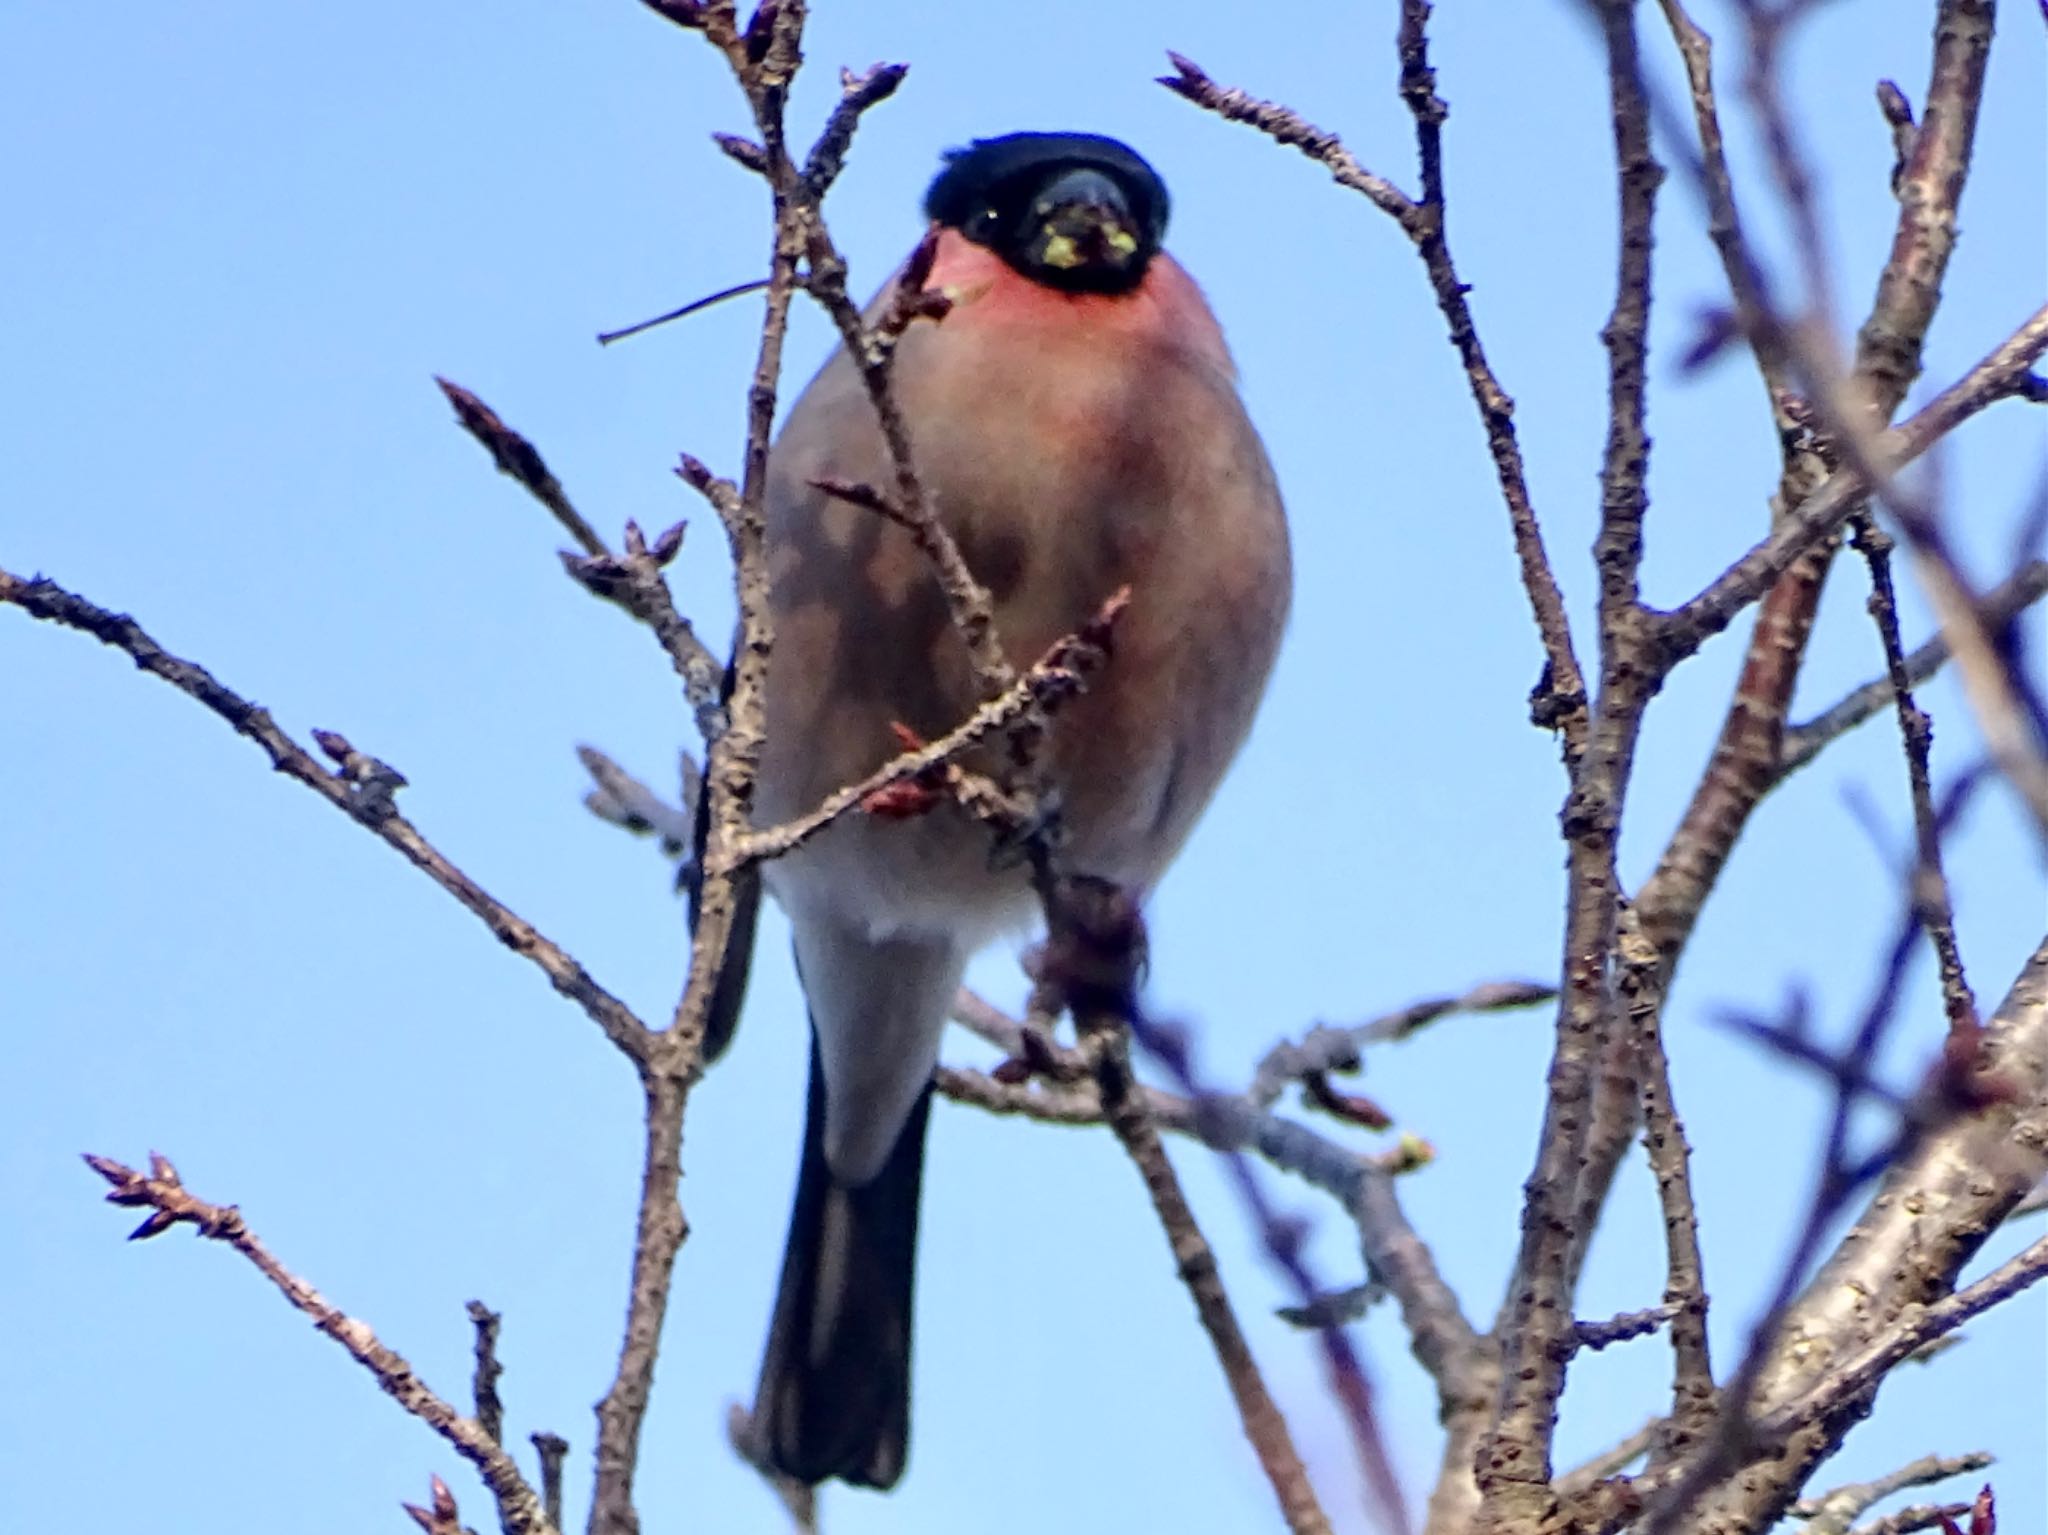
1076,421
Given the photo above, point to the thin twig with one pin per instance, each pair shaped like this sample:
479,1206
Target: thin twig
1767,26
1685,1292
1914,1517
1092,959
1514,1459
369,804
1724,219
873,347
1916,1328
1621,1328
2002,607
170,1204
1560,701
634,580
1196,1263
857,93
763,64
1063,1093
2009,709
1283,1238
1617,1458
680,312
520,460
622,800
1916,731
1329,1047
1743,1429
1088,966
1834,1511
1054,678
1997,376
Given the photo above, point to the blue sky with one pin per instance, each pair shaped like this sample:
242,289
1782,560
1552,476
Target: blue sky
245,236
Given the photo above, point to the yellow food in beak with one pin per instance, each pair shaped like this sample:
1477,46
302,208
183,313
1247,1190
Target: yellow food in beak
1065,251
1060,251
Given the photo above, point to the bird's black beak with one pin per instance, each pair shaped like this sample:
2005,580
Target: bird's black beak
1082,222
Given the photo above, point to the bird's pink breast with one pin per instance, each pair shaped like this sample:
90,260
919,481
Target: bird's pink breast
1166,307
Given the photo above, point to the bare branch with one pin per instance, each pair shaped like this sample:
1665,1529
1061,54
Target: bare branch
1996,377
1622,1328
1582,1478
1514,1459
1395,1255
1768,27
1724,220
1054,678
1286,126
1340,1048
857,93
1933,1209
1916,731
1560,699
521,461
624,801
634,581
164,1195
1833,1512
873,347
1093,953
1746,758
1913,1330
1685,1292
2002,607
368,804
1917,1516
1929,187
762,61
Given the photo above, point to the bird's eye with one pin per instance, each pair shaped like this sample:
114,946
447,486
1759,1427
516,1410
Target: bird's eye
981,224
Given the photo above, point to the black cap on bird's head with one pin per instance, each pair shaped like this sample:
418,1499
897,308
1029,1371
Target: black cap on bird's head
1070,210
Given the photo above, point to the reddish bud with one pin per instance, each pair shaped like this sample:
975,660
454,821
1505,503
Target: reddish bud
1984,1513
900,801
1353,1108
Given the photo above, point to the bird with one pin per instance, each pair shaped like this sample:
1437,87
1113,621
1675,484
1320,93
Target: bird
1075,419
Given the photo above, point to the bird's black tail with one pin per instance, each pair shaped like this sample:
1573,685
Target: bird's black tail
834,1398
